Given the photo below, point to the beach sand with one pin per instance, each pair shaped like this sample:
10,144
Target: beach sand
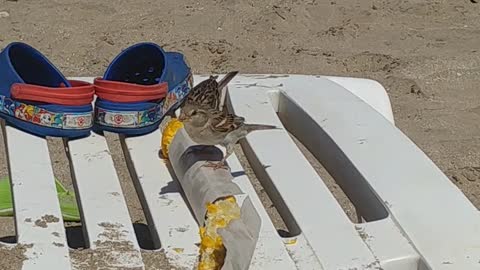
425,53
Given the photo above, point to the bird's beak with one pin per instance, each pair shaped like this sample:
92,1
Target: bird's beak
182,117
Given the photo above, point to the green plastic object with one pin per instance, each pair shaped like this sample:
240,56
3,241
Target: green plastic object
68,202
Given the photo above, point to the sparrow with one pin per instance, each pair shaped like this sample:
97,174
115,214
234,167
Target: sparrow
214,127
207,94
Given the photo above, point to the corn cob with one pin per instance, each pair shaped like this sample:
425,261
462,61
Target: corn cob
169,133
219,215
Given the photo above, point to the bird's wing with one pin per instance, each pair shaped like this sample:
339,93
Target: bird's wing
226,79
205,94
225,122
221,85
194,96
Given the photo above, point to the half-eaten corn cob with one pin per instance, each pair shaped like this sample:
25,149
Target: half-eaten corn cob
219,215
168,134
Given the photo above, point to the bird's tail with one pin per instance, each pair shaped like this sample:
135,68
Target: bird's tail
254,127
226,79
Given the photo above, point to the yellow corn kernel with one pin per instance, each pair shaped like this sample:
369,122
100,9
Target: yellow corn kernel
208,242
219,215
290,242
169,133
222,223
230,199
178,250
212,208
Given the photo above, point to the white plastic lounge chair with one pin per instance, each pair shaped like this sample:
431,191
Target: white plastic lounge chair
416,219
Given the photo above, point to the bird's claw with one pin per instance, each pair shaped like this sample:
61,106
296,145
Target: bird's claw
215,165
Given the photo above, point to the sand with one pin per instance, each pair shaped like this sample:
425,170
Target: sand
424,52
12,256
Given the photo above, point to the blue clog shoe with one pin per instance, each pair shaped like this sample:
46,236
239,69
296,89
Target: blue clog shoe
35,97
140,85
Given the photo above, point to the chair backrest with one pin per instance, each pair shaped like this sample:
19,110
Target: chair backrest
415,218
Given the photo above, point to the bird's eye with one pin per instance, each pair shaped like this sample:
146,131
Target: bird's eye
194,113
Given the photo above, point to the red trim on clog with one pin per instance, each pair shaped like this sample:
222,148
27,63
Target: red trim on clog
81,93
129,92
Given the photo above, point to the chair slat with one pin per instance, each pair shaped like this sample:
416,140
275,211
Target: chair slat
301,191
108,226
380,235
302,253
169,217
270,252
38,217
439,220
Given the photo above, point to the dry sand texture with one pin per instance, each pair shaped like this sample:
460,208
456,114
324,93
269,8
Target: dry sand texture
426,53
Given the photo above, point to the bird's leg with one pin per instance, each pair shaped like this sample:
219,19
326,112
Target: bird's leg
221,163
215,165
229,151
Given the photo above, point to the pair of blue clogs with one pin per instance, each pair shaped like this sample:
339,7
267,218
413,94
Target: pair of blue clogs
141,84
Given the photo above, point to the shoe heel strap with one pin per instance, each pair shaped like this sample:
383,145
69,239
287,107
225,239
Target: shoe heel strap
81,93
129,92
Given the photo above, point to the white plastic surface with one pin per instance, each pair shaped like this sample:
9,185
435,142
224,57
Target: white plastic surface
104,211
417,219
437,218
301,190
169,217
38,218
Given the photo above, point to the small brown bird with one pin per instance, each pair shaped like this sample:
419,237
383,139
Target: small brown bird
207,94
213,127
